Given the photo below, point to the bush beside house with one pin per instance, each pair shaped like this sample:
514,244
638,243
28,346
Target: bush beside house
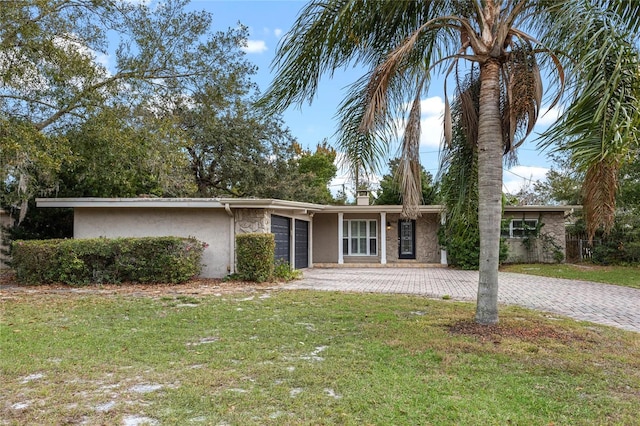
102,260
255,256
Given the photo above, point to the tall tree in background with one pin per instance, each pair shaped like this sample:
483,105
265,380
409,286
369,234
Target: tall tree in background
391,192
112,154
118,154
236,150
403,42
629,196
562,184
58,66
318,169
59,69
168,111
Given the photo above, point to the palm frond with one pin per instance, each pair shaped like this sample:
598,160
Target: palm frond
417,49
367,148
448,121
459,160
628,12
332,34
600,190
523,95
469,99
600,124
409,166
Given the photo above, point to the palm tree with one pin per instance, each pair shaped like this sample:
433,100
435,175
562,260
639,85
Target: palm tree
404,42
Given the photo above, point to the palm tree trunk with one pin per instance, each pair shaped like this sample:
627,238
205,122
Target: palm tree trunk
489,191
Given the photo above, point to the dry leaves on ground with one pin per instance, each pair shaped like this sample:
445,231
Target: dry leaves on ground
526,331
194,287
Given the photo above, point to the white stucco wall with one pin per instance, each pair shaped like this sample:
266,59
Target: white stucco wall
211,226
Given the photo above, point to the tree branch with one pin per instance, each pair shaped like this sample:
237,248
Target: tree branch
76,101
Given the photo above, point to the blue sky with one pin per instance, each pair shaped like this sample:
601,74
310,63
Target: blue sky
269,20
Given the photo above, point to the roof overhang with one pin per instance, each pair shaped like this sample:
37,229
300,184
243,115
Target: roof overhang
559,208
258,203
201,203
379,209
269,203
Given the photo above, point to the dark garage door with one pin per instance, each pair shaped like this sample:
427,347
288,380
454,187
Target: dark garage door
302,244
280,228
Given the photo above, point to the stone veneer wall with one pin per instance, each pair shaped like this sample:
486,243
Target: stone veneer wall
554,227
253,221
427,248
427,238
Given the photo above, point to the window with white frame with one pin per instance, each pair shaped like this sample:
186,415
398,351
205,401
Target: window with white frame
360,237
520,228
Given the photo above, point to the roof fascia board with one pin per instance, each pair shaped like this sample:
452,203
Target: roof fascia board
379,209
130,202
562,208
178,203
259,203
269,203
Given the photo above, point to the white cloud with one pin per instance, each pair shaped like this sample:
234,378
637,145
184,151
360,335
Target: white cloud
277,32
341,180
519,177
432,111
549,116
102,59
255,46
432,106
431,122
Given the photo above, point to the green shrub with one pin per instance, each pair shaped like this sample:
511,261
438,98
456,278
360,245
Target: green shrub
101,260
463,247
283,271
621,246
255,256
35,261
462,242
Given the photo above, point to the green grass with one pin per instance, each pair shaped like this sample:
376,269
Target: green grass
628,276
305,358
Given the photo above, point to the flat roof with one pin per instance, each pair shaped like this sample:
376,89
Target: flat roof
530,208
205,203
379,208
256,203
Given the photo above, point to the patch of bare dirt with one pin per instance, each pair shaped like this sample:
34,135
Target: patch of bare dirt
194,287
527,331
588,267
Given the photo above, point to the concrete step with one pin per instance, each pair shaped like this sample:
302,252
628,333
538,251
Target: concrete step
406,264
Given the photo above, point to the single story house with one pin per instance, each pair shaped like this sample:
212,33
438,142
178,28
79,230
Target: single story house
306,234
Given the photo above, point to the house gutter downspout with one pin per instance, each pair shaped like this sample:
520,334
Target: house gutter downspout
232,239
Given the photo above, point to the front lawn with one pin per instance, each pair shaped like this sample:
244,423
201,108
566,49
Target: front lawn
628,276
304,358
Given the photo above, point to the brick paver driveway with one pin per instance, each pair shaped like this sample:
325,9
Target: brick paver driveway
600,303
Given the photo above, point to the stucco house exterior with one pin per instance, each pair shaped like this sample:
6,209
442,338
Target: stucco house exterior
306,234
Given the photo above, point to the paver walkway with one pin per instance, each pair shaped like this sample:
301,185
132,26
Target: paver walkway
600,303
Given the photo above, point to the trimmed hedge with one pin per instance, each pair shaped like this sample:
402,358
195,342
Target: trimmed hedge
102,260
255,256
